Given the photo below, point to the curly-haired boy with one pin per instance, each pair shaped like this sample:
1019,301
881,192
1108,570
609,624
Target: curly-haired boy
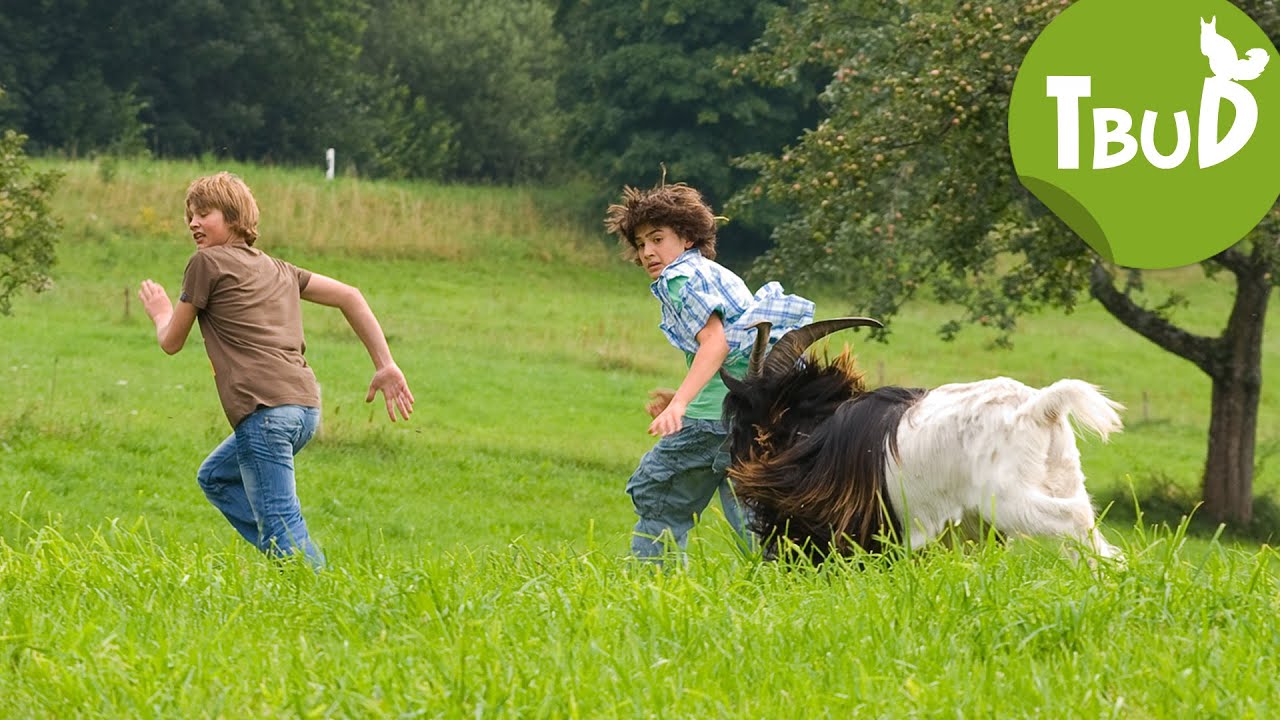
708,314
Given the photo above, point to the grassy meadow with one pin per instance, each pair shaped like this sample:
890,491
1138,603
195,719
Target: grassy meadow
478,551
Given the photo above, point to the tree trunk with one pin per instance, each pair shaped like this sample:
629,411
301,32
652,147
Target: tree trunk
1233,361
1237,387
1228,470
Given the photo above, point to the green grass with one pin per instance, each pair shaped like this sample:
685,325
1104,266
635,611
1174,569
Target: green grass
478,551
120,625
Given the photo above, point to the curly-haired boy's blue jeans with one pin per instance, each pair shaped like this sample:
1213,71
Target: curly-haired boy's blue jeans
674,483
249,477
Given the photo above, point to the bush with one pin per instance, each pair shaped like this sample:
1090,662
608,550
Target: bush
27,227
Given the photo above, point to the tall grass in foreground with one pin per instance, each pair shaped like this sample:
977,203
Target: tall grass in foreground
115,625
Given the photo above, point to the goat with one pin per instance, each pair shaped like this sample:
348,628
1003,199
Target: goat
819,460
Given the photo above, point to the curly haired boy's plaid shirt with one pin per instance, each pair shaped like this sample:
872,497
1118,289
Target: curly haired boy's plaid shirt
710,287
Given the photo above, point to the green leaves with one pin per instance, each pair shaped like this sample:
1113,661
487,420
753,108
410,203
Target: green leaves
654,83
909,177
27,227
478,85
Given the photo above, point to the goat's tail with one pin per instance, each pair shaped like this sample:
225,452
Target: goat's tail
1091,409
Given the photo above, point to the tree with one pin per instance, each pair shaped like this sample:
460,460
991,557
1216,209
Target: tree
239,78
402,88
477,87
65,87
27,227
273,81
647,87
910,176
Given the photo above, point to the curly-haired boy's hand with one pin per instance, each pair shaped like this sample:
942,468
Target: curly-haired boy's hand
669,421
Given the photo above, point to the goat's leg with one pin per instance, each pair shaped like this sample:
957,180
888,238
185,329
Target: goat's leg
971,529
1031,512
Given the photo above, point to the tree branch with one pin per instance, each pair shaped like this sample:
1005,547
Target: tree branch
1198,349
1234,260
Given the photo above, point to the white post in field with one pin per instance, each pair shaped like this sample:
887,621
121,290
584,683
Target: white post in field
328,157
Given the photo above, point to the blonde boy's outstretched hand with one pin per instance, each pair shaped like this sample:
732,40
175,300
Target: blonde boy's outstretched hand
395,390
155,301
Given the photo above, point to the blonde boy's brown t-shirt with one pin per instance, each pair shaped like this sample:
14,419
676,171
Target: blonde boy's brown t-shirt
249,308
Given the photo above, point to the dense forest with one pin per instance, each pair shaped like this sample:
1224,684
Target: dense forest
489,91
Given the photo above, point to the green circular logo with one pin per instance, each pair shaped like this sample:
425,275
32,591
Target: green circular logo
1151,127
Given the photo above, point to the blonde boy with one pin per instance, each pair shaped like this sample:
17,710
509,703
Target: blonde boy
248,307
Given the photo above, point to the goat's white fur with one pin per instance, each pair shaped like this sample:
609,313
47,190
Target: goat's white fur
1003,452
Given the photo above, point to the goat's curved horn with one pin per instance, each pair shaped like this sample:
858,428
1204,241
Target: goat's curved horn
759,348
791,346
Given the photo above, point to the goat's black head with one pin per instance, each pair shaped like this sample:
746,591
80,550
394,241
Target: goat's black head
776,407
784,397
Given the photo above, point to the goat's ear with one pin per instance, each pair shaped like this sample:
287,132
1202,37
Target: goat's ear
734,384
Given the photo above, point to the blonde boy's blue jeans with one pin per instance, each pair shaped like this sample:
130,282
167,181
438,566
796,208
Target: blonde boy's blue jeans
674,483
249,477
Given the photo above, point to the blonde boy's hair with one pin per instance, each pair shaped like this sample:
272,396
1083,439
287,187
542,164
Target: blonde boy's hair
228,193
676,206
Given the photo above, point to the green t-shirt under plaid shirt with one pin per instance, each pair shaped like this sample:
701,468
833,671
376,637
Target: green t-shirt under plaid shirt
709,403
